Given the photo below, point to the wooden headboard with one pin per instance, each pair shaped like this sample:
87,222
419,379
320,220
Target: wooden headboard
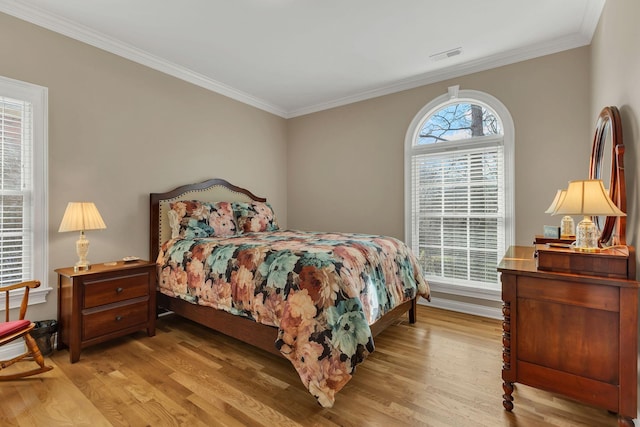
213,190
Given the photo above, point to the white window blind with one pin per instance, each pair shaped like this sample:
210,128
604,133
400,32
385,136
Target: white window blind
16,186
458,213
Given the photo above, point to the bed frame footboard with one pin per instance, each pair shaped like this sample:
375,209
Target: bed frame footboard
257,334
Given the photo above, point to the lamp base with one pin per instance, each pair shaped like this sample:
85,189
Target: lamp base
592,250
567,227
81,267
82,249
586,236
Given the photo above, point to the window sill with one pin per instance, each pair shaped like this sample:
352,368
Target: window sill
36,296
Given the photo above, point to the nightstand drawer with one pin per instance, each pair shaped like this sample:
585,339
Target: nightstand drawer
103,322
110,290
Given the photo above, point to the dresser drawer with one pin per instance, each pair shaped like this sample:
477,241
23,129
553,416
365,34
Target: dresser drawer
102,322
115,289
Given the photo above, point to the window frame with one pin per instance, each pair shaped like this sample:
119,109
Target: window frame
38,97
460,96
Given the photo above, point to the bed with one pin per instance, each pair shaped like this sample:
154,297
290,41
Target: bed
317,299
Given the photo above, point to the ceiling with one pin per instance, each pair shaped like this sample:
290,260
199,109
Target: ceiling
293,57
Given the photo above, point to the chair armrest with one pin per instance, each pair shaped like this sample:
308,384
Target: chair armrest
25,298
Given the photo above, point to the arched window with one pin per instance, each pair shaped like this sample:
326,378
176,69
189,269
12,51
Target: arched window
459,186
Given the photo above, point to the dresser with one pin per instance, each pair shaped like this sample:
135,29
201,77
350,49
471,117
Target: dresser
108,301
568,333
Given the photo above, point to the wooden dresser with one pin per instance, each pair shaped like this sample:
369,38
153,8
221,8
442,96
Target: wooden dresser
572,334
105,302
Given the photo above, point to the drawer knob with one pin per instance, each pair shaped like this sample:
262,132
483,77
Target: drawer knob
118,290
118,318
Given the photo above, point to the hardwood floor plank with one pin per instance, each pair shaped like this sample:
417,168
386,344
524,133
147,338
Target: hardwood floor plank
442,371
48,399
218,391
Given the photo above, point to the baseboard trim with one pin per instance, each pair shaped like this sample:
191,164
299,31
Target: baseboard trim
464,307
18,347
12,350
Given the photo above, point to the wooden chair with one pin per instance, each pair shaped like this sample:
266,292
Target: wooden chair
12,330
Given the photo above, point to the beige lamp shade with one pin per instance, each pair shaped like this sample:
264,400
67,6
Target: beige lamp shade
556,201
587,197
81,216
567,225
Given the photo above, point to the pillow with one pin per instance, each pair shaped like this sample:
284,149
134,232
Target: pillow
193,218
254,216
221,219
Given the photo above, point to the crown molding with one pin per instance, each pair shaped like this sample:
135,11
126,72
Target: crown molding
86,35
593,10
459,70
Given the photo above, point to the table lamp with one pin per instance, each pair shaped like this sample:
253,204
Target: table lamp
81,216
588,198
567,226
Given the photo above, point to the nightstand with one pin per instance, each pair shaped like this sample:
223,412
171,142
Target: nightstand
108,301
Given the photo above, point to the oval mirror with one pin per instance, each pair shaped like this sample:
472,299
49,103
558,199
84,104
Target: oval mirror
607,164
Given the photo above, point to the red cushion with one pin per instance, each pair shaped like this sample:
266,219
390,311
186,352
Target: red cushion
8,328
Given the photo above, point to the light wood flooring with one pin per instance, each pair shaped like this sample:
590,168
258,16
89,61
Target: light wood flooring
442,371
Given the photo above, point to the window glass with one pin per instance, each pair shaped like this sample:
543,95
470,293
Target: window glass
455,122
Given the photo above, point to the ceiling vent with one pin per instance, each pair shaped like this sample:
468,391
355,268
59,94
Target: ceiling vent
446,54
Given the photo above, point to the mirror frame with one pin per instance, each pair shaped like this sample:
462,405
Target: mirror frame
609,125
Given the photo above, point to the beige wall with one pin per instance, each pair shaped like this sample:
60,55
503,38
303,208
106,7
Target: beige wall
346,165
119,130
615,65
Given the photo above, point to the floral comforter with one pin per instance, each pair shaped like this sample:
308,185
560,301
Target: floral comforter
322,291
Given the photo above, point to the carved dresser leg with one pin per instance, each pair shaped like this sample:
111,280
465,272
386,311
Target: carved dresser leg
507,386
507,396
